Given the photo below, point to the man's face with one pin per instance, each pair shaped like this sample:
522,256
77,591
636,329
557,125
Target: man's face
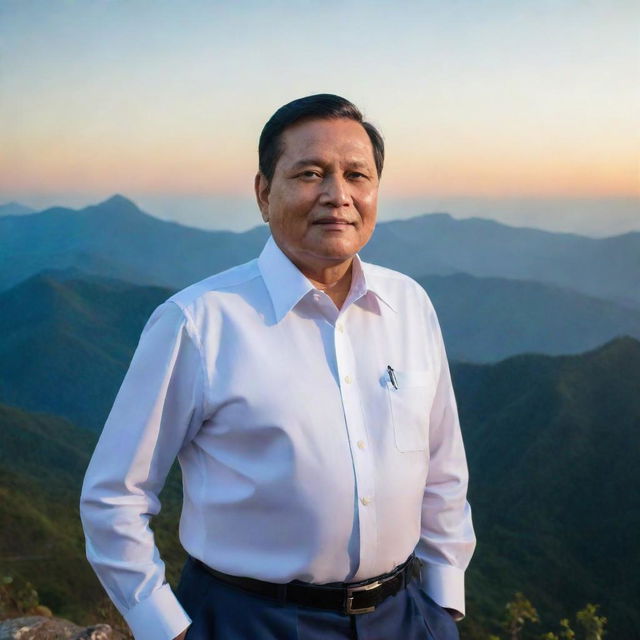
321,203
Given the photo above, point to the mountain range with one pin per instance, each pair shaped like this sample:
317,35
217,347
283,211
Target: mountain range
552,448
116,239
551,439
65,335
43,459
439,244
488,319
66,342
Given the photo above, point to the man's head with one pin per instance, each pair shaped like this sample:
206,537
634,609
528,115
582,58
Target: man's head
322,106
317,186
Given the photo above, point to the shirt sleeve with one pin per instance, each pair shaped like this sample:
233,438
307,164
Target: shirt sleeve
447,538
158,408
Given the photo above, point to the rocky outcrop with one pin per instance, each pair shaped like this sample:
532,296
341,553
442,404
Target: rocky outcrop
43,628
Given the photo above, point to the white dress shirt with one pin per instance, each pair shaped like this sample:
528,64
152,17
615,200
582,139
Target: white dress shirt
300,458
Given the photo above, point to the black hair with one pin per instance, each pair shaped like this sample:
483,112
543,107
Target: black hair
322,106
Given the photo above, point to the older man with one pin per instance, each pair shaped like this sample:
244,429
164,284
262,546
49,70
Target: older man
307,397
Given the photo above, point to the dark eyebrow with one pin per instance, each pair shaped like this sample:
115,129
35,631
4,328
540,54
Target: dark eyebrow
358,164
317,162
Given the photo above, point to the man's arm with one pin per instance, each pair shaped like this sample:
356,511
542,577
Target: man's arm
447,540
158,407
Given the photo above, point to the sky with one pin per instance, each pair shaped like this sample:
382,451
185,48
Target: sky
527,112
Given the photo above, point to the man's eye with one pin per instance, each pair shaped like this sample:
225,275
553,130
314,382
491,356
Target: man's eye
356,175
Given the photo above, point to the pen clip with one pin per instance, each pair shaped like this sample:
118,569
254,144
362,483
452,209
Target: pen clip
392,377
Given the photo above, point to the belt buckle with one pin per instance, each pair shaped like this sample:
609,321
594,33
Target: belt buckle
352,590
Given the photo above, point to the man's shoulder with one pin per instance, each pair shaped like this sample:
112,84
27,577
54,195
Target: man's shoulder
228,281
378,271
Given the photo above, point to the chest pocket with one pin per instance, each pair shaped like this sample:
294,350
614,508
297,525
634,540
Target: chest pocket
410,405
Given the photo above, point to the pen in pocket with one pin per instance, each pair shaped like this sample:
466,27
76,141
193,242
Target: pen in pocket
392,376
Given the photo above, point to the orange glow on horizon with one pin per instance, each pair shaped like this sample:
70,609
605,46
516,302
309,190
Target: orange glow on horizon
455,164
171,174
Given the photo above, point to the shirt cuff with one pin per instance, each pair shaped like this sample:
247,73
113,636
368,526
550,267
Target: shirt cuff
159,617
445,585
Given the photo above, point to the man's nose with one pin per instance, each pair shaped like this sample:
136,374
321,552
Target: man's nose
336,191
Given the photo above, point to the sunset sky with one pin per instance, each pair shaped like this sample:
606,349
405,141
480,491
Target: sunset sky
525,111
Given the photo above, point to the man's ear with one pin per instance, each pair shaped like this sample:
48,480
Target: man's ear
261,186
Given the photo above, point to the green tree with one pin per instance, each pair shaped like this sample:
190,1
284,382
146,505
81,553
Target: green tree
16,597
519,612
592,624
566,633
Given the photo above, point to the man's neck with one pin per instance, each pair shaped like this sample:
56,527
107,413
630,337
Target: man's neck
335,282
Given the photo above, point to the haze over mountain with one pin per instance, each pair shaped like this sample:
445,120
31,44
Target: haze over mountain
118,240
15,209
488,319
552,448
439,244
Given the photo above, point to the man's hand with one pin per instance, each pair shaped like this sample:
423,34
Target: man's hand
182,636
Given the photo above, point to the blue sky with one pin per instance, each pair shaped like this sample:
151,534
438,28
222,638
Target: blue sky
527,112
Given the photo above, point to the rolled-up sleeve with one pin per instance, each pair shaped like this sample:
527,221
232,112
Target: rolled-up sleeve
447,538
157,409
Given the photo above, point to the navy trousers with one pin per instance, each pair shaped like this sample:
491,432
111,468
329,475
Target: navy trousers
224,612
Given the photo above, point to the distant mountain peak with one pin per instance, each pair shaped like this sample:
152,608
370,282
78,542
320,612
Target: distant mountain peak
440,214
433,215
117,200
620,345
119,206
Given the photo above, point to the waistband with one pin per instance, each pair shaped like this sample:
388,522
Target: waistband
348,598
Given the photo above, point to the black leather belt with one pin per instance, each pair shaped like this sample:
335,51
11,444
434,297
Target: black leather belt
348,597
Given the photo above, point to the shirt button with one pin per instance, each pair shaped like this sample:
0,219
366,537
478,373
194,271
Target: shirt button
365,501
361,444
347,379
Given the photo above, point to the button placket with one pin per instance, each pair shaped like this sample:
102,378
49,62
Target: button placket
363,463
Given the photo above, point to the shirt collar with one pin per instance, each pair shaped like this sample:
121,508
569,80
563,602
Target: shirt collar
287,285
381,287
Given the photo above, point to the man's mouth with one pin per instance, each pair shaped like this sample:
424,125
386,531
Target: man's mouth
333,221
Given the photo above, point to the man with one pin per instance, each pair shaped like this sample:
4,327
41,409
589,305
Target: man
307,397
